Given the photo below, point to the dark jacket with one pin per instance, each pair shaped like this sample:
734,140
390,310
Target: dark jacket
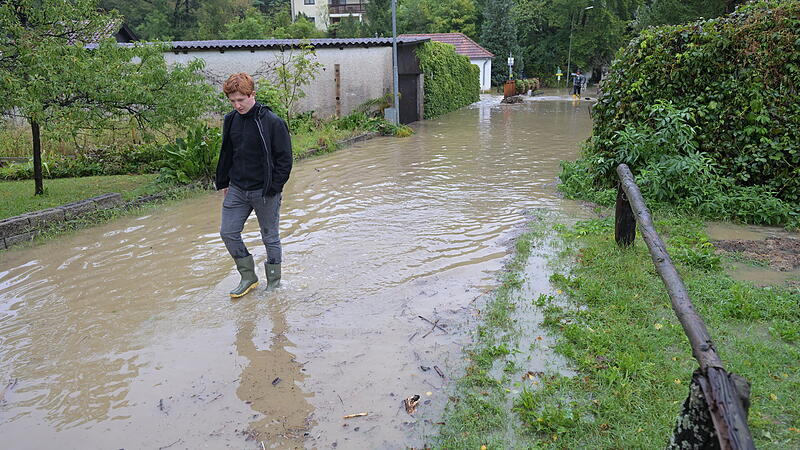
277,146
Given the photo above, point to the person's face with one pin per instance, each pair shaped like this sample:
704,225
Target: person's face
242,103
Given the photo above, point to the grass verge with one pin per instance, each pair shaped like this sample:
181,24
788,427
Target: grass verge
319,140
479,411
633,363
16,197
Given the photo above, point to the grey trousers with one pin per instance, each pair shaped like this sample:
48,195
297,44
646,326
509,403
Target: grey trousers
236,208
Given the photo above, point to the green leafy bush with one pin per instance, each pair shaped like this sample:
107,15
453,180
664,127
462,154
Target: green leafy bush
671,171
269,94
117,160
527,84
705,116
451,81
193,158
733,80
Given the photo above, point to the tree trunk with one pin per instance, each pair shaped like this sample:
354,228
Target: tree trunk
37,157
694,429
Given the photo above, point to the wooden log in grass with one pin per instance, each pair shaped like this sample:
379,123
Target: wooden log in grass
723,401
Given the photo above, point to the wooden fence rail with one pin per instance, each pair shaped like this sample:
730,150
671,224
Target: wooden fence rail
715,413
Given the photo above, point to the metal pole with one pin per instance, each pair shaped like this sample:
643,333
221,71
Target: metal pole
569,51
394,64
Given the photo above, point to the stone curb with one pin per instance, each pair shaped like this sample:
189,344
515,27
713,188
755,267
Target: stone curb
25,227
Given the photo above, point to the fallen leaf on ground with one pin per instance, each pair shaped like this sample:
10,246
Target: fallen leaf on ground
411,403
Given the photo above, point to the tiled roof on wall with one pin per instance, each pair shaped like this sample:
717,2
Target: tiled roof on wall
276,43
464,45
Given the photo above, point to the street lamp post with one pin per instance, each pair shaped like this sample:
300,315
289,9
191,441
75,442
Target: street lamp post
569,50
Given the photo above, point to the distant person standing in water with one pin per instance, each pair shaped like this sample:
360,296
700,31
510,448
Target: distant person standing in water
577,83
254,163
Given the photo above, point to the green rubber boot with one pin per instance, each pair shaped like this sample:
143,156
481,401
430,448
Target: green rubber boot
273,275
247,269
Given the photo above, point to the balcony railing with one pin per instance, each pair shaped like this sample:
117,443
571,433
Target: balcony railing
347,8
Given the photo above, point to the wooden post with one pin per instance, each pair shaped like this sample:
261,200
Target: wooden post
625,221
337,74
724,399
37,158
693,325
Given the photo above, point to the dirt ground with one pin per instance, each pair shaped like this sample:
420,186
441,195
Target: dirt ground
780,253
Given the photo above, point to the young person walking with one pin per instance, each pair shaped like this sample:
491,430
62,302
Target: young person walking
254,163
577,83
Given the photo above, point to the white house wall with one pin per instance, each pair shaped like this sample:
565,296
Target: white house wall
365,73
319,11
485,66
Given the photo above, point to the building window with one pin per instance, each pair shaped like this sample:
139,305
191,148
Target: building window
308,2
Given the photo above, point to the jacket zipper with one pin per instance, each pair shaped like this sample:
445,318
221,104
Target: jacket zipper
266,153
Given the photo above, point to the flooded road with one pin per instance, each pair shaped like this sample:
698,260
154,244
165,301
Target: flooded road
123,335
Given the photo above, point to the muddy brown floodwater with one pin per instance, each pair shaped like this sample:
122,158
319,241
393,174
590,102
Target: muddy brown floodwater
123,335
777,251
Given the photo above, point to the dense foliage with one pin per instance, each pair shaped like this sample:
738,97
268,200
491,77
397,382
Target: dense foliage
706,116
451,81
541,34
194,157
55,75
499,36
111,160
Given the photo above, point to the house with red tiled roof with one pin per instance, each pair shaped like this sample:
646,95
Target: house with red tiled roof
465,46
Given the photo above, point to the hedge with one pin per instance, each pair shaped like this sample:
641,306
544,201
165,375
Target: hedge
451,81
736,76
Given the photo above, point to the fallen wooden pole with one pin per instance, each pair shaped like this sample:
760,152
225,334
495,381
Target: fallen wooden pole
724,400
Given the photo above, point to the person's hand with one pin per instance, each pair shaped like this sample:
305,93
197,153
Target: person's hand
224,192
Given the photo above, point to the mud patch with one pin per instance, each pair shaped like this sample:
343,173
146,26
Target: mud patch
779,253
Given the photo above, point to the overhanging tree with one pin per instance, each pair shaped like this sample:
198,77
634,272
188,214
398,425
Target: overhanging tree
499,36
52,79
379,18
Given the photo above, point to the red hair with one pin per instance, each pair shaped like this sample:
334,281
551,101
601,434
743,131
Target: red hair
239,82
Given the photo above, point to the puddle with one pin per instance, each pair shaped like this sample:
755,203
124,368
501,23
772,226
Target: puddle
775,251
123,335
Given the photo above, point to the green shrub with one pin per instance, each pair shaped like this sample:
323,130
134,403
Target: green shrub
193,158
268,94
120,160
451,81
527,84
734,81
671,171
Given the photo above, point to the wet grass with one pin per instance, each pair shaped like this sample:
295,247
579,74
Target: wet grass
614,323
317,141
16,197
478,413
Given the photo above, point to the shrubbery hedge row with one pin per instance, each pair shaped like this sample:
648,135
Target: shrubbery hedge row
737,79
451,81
